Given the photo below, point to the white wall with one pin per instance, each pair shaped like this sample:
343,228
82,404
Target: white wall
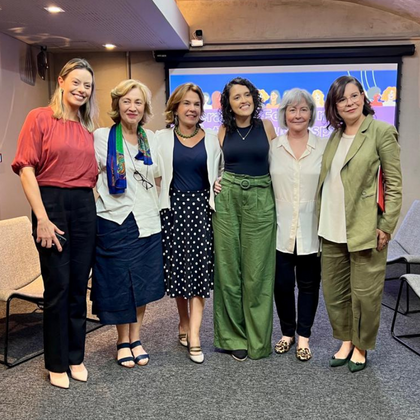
17,99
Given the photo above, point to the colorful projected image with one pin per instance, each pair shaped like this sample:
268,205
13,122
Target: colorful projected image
379,82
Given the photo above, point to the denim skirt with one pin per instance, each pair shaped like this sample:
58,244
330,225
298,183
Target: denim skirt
128,271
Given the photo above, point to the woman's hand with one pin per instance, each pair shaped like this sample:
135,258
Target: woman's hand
217,186
45,234
382,239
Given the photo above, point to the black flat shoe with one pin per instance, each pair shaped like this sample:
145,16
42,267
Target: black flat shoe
239,355
357,366
334,362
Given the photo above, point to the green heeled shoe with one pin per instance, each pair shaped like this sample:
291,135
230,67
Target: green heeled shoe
334,362
357,366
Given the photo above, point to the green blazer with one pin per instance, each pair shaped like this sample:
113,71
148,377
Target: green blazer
375,144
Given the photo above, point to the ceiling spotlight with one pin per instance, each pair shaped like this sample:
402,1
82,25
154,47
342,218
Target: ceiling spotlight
54,9
109,46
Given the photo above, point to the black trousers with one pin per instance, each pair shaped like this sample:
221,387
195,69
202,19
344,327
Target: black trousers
66,274
305,270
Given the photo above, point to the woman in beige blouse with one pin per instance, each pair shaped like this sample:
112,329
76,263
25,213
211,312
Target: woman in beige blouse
295,164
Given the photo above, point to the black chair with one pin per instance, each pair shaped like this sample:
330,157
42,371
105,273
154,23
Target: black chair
411,281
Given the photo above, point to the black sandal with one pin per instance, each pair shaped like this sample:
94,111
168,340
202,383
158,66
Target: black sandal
124,359
140,356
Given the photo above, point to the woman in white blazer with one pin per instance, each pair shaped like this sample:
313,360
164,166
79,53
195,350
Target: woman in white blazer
189,161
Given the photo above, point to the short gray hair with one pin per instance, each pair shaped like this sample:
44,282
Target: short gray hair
293,97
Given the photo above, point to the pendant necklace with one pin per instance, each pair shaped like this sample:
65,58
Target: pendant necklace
186,136
246,135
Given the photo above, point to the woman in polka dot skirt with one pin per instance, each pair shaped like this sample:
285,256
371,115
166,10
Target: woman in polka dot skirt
189,161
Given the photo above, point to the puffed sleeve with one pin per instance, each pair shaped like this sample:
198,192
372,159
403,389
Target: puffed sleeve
29,148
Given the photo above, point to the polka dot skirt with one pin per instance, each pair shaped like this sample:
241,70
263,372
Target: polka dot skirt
187,238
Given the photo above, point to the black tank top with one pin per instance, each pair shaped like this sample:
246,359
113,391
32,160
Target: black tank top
190,167
249,156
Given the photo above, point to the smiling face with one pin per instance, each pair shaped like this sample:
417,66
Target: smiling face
131,107
189,110
350,106
298,116
76,87
241,101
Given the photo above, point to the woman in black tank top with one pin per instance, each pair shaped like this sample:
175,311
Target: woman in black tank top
244,228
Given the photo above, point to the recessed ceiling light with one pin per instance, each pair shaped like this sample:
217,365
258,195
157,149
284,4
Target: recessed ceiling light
54,9
109,46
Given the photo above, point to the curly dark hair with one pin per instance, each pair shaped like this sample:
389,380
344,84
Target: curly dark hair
335,93
228,117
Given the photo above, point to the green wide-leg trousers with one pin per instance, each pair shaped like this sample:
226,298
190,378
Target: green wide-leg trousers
353,283
244,239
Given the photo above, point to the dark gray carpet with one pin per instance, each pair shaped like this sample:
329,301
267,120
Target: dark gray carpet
172,387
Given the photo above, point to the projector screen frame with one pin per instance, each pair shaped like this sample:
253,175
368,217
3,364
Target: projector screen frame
288,56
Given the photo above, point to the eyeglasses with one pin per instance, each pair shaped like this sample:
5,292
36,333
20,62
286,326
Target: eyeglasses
144,181
342,102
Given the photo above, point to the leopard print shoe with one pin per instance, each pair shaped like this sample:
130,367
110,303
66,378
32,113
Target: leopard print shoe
283,346
303,354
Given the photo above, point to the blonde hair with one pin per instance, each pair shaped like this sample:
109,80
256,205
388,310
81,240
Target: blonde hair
176,98
320,101
87,112
121,90
387,92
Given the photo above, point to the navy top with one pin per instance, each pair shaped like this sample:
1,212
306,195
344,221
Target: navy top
190,167
249,156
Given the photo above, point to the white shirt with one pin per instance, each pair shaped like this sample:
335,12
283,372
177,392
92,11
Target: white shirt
294,183
136,199
332,221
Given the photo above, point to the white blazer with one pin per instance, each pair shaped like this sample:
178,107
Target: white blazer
164,145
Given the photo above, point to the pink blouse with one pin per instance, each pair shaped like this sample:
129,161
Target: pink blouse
61,152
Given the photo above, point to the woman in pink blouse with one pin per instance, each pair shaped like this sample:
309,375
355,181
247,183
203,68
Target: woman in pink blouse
56,163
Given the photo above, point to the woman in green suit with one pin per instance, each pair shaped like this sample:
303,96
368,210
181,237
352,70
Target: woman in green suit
354,232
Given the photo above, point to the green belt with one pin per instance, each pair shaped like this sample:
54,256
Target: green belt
246,181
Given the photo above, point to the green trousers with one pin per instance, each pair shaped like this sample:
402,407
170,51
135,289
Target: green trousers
244,227
353,284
